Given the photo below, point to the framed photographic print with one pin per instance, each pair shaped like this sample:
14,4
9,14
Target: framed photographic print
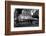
24,17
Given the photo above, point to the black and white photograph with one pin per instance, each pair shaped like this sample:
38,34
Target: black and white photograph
26,17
